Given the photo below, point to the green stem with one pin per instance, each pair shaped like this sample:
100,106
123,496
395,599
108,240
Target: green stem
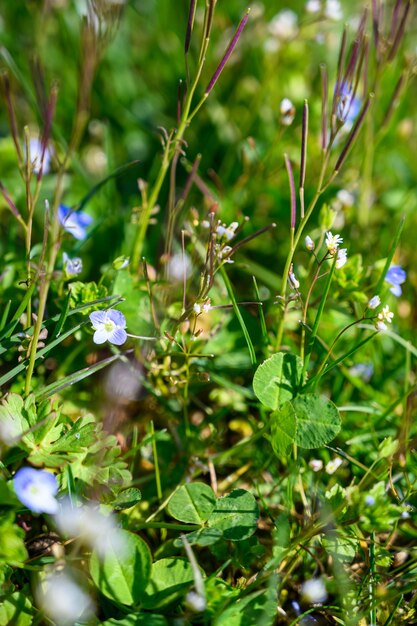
168,155
156,463
294,244
319,314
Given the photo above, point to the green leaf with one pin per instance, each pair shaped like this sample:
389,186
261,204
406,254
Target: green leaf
201,537
16,609
12,421
236,515
126,499
277,379
137,619
170,579
256,609
192,503
12,546
318,420
136,306
283,429
123,573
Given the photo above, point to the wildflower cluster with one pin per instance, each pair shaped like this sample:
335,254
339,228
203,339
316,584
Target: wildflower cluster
332,243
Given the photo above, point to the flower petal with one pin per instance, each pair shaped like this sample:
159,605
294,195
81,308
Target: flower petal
97,318
117,317
396,290
117,336
101,336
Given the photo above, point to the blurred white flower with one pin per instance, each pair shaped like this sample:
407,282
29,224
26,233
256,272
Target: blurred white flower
313,6
35,148
309,243
314,591
333,10
374,302
341,258
195,602
345,197
294,283
63,600
197,308
284,24
316,465
178,266
227,231
332,466
123,381
287,111
95,530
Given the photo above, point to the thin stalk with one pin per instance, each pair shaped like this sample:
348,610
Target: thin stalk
156,463
294,243
318,318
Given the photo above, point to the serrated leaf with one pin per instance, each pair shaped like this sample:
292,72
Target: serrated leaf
123,574
318,420
277,379
236,515
170,579
283,429
192,503
126,499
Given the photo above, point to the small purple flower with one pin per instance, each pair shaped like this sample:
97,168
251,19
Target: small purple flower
36,489
74,222
396,276
72,267
109,326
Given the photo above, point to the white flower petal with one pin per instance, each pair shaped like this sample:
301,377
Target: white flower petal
100,336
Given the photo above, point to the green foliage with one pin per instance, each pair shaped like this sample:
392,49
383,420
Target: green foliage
124,572
170,579
277,379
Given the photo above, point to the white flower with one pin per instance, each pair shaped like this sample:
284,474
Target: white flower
63,600
95,530
206,306
195,602
294,283
332,242
284,25
333,10
227,231
374,302
197,308
341,258
179,265
35,149
109,326
345,197
309,243
287,111
314,591
332,466
384,316
316,465
313,6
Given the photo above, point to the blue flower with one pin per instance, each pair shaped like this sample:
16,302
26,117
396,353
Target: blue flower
109,326
74,222
36,489
348,105
396,276
72,267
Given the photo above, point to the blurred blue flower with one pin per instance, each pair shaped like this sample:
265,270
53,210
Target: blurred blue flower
74,222
36,489
72,267
348,105
396,276
109,326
